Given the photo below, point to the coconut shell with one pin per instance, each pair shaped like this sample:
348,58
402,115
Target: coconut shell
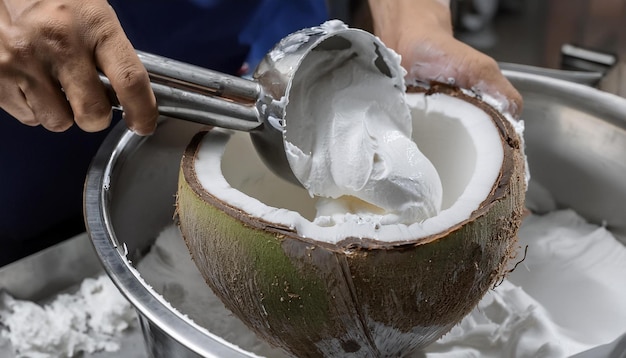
361,297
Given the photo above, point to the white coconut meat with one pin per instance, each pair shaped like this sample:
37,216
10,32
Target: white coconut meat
377,163
460,140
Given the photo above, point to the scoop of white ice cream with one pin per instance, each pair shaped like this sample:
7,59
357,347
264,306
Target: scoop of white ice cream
352,146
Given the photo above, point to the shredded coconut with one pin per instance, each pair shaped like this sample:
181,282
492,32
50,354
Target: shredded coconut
88,321
565,298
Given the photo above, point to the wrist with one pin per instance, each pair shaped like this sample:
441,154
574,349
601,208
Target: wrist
393,18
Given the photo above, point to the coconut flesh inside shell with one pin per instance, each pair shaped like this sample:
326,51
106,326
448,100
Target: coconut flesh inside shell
355,288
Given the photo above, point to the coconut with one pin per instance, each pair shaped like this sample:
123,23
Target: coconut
357,289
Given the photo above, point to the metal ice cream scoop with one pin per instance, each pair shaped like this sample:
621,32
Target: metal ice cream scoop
258,106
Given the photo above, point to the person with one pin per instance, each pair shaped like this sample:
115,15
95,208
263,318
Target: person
51,52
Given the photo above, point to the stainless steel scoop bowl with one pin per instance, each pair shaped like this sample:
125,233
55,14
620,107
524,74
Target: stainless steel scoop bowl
260,106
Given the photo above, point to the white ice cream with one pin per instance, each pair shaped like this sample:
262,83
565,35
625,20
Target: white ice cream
348,140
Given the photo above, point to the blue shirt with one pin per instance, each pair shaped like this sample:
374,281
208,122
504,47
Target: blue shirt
216,34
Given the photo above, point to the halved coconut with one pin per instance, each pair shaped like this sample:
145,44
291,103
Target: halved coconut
357,289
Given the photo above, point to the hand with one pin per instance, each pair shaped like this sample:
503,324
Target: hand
50,53
421,32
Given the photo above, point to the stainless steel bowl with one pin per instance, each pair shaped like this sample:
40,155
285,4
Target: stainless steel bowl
576,147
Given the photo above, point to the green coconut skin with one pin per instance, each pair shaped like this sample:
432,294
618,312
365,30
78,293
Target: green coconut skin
361,297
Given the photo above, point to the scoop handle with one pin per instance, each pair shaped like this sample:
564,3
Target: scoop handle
196,94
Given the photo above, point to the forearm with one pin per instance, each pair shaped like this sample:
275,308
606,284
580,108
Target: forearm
9,9
393,16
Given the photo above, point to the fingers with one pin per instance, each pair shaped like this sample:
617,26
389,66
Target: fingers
482,74
86,94
501,84
47,102
36,98
13,101
119,62
50,54
445,59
